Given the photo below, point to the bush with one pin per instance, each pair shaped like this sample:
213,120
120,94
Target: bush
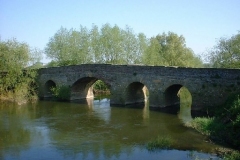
16,78
61,92
100,85
224,127
229,115
235,155
202,125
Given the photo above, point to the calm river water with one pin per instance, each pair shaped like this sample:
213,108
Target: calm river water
94,130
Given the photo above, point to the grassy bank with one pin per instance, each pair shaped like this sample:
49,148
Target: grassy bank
223,127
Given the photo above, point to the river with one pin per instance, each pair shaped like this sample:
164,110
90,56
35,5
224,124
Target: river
95,130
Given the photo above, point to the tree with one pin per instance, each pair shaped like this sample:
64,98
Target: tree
69,47
152,55
226,54
111,44
16,78
14,55
105,45
170,50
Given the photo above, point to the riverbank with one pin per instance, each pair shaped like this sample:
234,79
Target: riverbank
101,92
222,127
18,99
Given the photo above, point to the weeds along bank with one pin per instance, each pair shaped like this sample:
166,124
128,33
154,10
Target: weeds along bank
223,127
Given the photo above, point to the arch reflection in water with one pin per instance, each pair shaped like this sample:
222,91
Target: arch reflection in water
146,112
75,131
185,105
101,108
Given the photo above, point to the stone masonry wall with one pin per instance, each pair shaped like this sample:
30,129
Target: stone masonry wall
208,86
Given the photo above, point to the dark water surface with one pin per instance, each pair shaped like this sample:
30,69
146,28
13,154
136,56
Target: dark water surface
94,130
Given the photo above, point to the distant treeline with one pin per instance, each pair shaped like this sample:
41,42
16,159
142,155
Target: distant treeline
118,46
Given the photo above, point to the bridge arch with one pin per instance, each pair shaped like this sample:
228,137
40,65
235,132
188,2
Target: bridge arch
136,92
83,88
171,97
47,88
177,93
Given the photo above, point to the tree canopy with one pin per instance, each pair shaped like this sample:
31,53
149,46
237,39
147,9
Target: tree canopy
105,45
118,46
170,50
226,54
16,78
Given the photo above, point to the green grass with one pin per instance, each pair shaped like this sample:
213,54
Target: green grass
223,127
202,125
235,155
160,143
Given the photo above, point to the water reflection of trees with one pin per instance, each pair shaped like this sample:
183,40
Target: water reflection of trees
14,136
85,130
78,130
185,105
94,131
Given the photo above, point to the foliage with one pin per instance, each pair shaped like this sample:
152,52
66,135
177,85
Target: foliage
224,127
208,126
160,143
61,92
170,50
235,155
118,46
105,45
226,54
100,85
17,83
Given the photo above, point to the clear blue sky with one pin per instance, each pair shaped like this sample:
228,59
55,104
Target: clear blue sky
201,22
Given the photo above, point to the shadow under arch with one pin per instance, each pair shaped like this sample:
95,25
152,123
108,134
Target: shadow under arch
47,88
171,95
136,92
83,88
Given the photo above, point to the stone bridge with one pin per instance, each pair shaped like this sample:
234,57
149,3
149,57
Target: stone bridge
129,83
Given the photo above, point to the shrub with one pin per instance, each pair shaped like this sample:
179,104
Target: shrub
61,92
202,125
16,78
100,85
235,155
224,127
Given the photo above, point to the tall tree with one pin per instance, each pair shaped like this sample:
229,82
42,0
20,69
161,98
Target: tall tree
69,47
111,44
15,78
226,54
153,53
170,50
105,45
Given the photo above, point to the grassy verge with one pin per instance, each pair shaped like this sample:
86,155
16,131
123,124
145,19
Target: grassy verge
223,127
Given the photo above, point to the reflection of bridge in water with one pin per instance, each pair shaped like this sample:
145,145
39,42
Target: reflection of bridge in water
129,83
